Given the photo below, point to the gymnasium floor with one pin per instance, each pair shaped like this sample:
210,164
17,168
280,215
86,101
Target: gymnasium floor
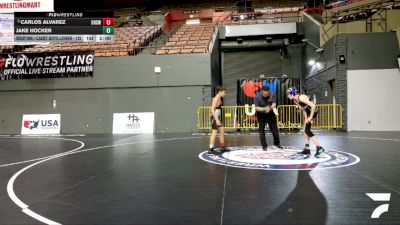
160,179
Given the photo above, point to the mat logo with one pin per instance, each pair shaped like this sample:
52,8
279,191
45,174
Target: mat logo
252,157
41,124
379,197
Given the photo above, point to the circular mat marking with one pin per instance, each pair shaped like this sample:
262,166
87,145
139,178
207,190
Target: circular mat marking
252,157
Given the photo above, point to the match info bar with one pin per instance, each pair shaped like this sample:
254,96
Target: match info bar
74,27
64,38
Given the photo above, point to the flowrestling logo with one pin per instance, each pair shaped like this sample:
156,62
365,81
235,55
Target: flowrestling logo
41,124
46,65
380,197
252,157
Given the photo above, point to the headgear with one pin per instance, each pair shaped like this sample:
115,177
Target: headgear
292,91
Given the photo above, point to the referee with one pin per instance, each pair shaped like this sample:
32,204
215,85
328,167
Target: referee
265,103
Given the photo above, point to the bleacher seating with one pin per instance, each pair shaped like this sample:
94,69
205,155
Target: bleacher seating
6,48
189,39
128,41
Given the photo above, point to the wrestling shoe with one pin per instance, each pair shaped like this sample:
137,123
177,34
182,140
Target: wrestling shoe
305,151
211,151
319,151
223,149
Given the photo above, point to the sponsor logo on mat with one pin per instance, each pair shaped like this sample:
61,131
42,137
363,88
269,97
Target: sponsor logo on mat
252,157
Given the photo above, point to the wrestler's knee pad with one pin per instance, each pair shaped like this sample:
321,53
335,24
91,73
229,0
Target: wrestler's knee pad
308,131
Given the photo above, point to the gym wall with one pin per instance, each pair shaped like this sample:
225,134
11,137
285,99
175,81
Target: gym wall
372,100
381,54
119,84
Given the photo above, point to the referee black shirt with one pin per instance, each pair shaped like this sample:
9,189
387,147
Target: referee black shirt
264,101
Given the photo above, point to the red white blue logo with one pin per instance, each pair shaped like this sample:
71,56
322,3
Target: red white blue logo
41,124
252,157
29,124
44,124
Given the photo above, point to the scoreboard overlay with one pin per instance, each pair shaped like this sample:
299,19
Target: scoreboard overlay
63,27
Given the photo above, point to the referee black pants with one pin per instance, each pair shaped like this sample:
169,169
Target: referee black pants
273,126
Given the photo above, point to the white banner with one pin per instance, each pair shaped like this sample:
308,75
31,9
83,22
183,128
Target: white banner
10,6
133,123
385,84
260,29
7,31
41,124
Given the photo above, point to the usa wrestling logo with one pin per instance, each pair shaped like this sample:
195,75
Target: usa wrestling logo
252,157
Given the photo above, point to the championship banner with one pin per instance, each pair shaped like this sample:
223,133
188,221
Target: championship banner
10,6
46,65
248,89
41,124
133,123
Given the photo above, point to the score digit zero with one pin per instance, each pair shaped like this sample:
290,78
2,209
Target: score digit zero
108,22
108,30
